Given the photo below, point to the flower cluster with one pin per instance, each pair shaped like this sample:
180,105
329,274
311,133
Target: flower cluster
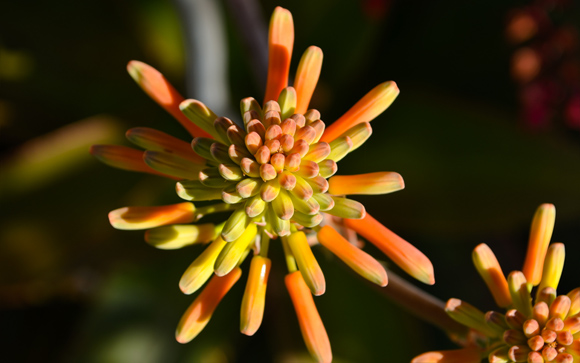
274,172
544,329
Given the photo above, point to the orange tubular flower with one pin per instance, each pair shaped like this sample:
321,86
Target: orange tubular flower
544,329
273,171
311,325
200,311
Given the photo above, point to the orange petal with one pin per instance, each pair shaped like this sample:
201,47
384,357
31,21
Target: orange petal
307,77
307,263
465,355
280,43
311,326
365,110
200,311
150,217
255,295
371,183
540,235
404,254
159,89
123,157
361,262
491,272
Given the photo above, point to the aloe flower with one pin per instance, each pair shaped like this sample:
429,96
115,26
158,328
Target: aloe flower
275,175
541,329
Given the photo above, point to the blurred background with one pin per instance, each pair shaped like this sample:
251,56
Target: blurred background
486,128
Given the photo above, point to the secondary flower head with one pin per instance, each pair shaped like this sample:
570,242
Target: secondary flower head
274,171
544,329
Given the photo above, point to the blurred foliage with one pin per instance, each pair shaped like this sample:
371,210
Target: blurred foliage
73,289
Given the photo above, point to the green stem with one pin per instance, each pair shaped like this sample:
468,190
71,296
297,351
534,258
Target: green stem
264,244
290,261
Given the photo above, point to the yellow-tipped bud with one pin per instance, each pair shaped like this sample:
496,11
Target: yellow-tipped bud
469,316
255,206
540,235
270,190
249,187
361,262
307,220
317,152
318,127
254,298
230,172
302,189
347,208
235,225
231,254
489,269
318,184
309,207
131,218
250,167
196,191
358,134
560,307
519,292
553,265
200,311
308,169
339,148
250,104
287,102
372,183
325,201
178,236
201,116
210,177
327,168
307,263
311,326
201,268
283,206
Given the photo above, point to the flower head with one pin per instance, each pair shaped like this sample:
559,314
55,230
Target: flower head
540,329
274,172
